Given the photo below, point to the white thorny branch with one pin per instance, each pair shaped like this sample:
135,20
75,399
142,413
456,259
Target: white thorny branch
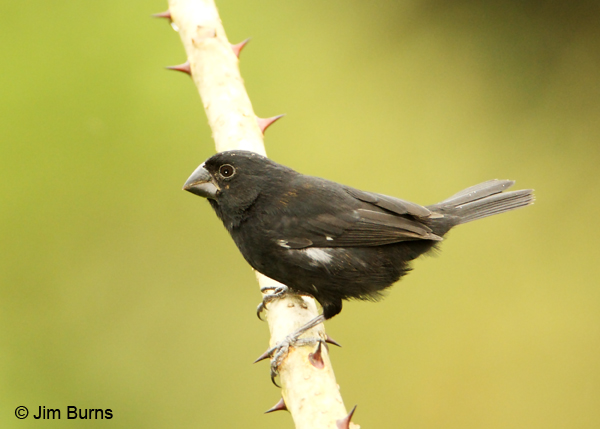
309,389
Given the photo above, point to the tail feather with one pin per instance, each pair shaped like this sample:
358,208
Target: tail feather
494,204
478,191
485,199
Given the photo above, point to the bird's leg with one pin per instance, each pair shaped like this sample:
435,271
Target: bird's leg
278,292
281,350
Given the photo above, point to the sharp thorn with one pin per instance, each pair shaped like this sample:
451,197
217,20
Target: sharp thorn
264,356
166,14
238,47
185,68
280,406
316,359
345,422
330,340
264,123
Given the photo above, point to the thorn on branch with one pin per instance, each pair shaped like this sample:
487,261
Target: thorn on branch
166,14
330,340
264,356
316,358
264,123
184,68
238,47
345,422
280,406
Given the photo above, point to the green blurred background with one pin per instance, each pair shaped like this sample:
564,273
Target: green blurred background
118,290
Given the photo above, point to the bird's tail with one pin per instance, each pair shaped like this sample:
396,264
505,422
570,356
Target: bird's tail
485,199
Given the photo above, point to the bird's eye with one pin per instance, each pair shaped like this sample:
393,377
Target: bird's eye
226,170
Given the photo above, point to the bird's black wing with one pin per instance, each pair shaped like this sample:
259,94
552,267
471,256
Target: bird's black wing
394,205
353,218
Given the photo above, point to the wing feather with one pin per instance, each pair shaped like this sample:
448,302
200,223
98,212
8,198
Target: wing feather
395,205
352,218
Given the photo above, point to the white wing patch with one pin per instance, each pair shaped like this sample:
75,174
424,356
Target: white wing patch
318,256
283,243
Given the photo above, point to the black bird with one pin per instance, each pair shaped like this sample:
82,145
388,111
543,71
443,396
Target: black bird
327,240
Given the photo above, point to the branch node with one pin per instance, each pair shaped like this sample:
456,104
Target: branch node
203,33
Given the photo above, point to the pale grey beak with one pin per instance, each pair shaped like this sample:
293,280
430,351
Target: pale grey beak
201,183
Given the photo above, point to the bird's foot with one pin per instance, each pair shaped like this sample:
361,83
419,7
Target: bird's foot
278,292
281,350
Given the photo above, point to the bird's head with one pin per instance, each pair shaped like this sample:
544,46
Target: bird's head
232,180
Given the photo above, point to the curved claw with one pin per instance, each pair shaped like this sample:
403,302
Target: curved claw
259,310
278,292
273,375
